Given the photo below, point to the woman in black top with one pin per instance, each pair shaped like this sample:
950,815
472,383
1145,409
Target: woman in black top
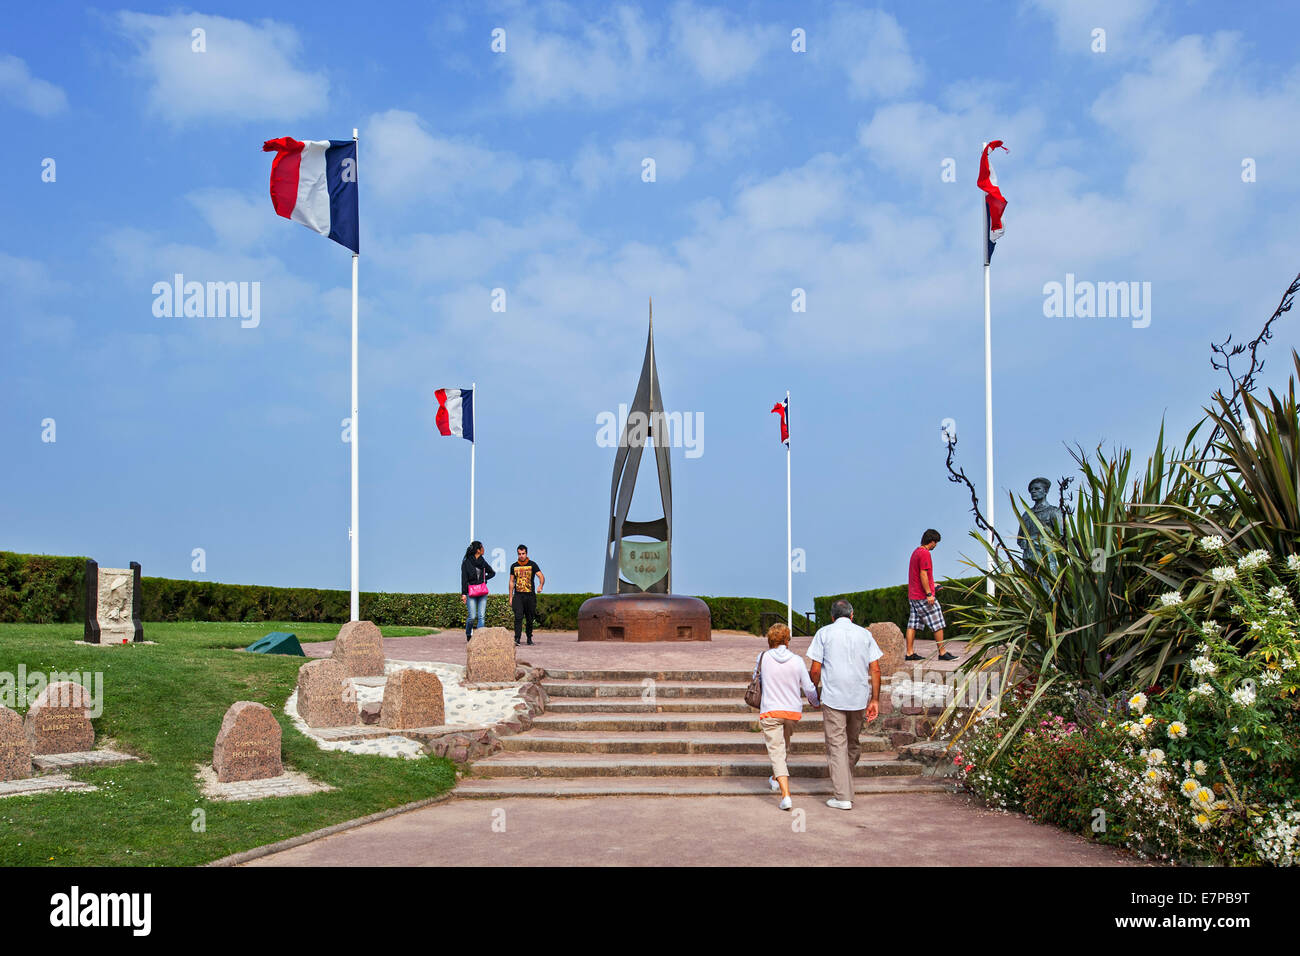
474,570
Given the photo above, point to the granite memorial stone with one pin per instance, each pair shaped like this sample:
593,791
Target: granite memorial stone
325,696
248,744
490,657
412,698
360,649
58,722
15,751
892,644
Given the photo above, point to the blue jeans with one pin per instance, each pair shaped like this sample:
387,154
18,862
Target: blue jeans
474,607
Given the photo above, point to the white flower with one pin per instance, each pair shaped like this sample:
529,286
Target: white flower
1270,678
1203,797
1243,696
1277,594
1200,768
1177,729
1137,703
1211,629
1293,562
1201,690
1202,821
1211,542
1171,599
1155,757
1136,731
1202,666
1256,559
1190,786
1224,574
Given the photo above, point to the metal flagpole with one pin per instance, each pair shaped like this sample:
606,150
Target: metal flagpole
354,531
789,568
988,394
473,444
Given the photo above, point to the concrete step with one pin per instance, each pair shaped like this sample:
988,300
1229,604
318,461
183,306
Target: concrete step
615,705
529,764
720,742
667,722
500,787
636,676
662,690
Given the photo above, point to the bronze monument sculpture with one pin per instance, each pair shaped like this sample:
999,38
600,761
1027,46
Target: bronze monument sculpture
1032,547
638,603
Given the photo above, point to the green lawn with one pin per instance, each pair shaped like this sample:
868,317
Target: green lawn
165,703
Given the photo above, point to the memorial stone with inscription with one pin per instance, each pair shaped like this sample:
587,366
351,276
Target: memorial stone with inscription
325,697
360,649
412,698
15,751
113,604
58,722
248,744
490,657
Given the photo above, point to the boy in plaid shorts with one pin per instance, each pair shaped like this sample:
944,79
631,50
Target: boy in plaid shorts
924,610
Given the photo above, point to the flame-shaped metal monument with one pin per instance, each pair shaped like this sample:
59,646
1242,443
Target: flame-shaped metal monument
637,603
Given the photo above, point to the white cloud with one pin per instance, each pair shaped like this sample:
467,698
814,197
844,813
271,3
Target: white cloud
596,167
19,87
401,159
871,48
719,46
1127,24
737,131
247,72
238,219
812,194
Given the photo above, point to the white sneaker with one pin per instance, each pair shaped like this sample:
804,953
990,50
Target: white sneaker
839,804
771,782
786,803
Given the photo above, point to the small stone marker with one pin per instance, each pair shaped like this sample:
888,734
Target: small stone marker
360,649
490,657
58,721
890,640
15,751
412,698
248,744
325,698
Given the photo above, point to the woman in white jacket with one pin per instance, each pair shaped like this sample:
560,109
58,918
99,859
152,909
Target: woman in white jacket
785,684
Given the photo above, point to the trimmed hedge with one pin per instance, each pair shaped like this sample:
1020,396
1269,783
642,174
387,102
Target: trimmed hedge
890,604
41,589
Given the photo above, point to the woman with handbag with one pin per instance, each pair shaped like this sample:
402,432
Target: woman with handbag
474,575
780,683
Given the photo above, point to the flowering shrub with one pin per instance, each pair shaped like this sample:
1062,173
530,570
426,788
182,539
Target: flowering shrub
1206,770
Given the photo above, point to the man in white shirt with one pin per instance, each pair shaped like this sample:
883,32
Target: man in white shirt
846,663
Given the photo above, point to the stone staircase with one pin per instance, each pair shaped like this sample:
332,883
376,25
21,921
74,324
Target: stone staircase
623,732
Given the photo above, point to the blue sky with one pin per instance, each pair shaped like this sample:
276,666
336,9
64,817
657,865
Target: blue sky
522,170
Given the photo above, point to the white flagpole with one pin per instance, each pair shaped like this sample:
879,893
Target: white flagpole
355,529
988,393
473,445
789,569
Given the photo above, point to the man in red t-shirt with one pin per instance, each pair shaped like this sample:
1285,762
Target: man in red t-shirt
924,610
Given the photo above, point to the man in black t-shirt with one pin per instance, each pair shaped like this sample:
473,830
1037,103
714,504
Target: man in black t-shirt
526,580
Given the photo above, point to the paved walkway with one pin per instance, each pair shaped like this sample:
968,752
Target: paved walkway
880,830
561,650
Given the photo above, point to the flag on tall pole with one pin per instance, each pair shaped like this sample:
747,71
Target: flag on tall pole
994,205
314,182
455,418
783,409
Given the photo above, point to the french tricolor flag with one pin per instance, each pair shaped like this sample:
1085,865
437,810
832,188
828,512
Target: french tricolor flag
314,182
994,201
456,412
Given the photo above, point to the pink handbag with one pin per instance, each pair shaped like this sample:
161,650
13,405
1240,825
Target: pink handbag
478,590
